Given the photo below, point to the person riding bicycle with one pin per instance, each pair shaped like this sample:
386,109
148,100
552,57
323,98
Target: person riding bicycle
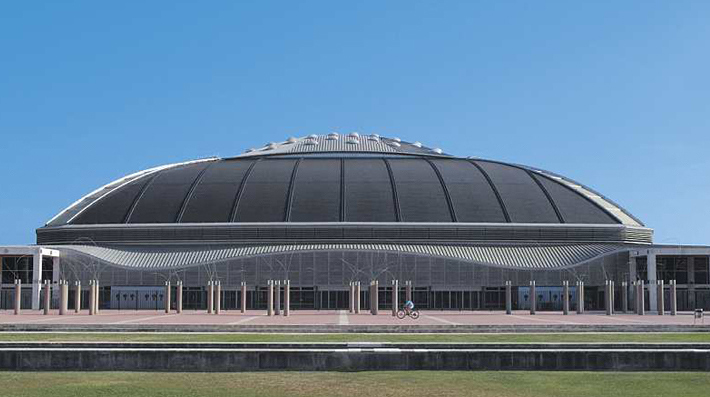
408,306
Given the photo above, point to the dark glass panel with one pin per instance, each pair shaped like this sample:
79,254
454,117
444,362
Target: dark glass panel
419,191
471,194
522,197
213,197
368,191
316,193
265,192
163,198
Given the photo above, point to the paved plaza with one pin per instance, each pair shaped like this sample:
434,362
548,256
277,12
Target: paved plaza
341,317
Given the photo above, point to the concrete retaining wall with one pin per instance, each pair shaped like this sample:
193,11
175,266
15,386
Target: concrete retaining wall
353,359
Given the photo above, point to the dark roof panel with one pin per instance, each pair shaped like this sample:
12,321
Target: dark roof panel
114,207
265,192
214,196
521,195
316,193
368,191
419,191
164,196
573,207
471,194
352,186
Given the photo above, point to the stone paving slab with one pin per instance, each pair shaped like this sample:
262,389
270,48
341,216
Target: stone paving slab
341,321
341,317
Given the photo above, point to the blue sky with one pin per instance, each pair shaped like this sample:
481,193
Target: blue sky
613,94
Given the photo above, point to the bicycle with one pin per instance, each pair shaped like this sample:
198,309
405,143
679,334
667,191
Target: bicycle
414,314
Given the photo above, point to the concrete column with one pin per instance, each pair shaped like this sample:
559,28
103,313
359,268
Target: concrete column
581,290
178,297
166,297
395,296
63,297
374,300
18,296
635,294
612,296
624,297
632,268
47,297
607,297
357,297
36,277
218,298
210,297
77,296
508,297
674,298
277,297
92,297
287,298
98,296
351,297
408,290
580,298
533,297
244,297
565,297
640,298
651,274
691,282
56,286
270,298
659,297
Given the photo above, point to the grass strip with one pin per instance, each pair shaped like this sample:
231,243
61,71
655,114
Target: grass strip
315,384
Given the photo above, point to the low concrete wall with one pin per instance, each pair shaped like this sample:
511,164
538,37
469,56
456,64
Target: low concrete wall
357,359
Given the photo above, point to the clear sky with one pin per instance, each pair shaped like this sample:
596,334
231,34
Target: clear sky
614,94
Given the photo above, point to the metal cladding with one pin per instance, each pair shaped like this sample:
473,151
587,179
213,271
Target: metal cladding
510,256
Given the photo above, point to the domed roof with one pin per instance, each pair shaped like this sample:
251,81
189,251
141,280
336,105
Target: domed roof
343,178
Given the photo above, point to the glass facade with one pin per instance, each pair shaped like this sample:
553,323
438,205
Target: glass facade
320,279
676,268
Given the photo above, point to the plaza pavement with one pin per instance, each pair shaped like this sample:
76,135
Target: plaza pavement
340,317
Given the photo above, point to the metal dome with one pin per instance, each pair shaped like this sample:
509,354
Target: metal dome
321,178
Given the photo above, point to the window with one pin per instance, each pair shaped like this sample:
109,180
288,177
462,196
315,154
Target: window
701,270
672,268
14,267
47,267
641,269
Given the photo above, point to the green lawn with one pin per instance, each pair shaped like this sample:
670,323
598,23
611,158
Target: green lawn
413,383
410,338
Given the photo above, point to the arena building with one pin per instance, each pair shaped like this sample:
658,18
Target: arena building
326,210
